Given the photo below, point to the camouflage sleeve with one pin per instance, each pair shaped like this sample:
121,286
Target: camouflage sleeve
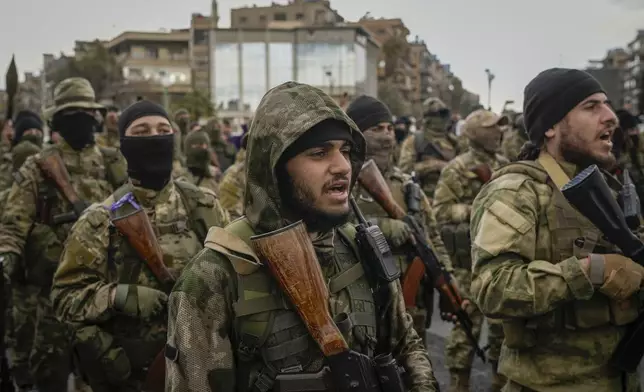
20,209
81,287
434,236
231,192
407,346
221,215
199,327
407,155
508,280
447,196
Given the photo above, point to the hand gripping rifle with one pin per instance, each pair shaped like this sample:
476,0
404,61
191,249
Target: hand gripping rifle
291,259
425,260
53,168
589,193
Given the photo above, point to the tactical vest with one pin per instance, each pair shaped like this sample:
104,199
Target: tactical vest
200,219
122,330
428,149
269,336
571,234
44,244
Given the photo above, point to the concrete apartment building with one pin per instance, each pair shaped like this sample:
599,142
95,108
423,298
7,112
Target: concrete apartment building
634,74
154,64
246,63
610,72
305,12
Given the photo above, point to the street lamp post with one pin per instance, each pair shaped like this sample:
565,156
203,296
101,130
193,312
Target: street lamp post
490,78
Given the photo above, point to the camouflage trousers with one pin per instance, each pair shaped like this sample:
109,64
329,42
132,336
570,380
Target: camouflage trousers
50,357
633,386
21,332
459,352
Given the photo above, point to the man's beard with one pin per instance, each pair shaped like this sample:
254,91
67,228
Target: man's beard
300,200
573,150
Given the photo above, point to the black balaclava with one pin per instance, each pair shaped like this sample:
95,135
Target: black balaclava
320,133
368,112
77,127
401,128
149,158
24,121
197,158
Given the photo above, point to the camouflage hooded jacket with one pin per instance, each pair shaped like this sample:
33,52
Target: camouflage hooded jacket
203,319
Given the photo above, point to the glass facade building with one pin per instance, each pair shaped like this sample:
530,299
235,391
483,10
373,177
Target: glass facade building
246,66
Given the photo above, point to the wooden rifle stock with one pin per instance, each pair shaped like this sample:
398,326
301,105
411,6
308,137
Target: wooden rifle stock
482,171
375,184
136,227
290,257
53,167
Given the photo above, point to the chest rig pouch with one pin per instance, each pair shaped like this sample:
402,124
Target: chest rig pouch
572,234
270,338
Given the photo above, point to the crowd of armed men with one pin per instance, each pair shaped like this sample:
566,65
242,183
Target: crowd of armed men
143,252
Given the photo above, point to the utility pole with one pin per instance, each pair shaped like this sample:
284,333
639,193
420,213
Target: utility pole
490,78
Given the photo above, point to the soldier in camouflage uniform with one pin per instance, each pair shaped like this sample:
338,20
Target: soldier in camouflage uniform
563,293
427,151
458,185
5,136
103,288
233,183
197,150
514,139
303,157
22,303
222,147
375,120
109,137
28,126
37,217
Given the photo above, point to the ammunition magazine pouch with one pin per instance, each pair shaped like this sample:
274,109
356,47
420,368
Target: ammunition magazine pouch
457,242
272,345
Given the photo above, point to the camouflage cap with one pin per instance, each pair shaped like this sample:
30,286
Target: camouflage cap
484,119
73,93
433,105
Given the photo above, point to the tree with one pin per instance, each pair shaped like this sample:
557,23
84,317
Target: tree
395,49
96,64
197,103
391,97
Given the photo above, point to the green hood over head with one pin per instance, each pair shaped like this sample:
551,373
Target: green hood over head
284,114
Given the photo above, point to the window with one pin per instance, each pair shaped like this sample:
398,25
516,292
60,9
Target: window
200,37
152,53
279,16
299,16
262,18
243,19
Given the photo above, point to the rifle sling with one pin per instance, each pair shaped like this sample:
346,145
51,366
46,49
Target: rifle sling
555,172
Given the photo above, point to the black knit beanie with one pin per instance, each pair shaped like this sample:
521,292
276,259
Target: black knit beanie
368,112
138,110
324,131
25,122
553,93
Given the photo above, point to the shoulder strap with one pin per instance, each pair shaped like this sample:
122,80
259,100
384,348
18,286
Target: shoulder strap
233,241
555,172
200,214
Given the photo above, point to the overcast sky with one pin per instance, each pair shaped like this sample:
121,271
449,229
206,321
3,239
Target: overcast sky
514,38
